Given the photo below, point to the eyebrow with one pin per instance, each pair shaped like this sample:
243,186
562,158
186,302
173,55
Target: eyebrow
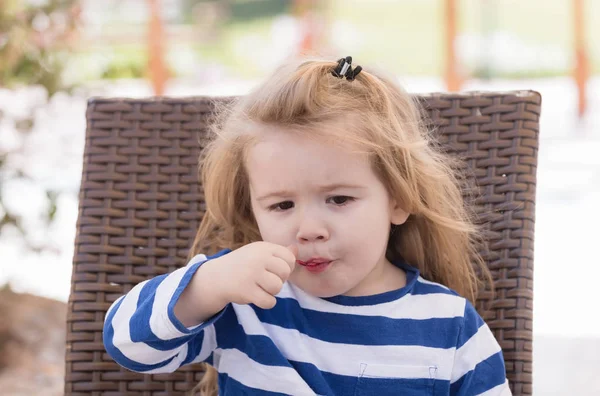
326,188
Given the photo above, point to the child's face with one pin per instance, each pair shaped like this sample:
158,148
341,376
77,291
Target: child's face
330,203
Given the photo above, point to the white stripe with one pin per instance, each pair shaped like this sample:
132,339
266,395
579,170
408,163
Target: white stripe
347,358
280,379
173,364
160,323
396,371
137,351
196,259
209,344
425,281
113,305
411,306
500,390
478,348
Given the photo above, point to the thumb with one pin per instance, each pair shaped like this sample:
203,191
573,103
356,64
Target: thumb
294,249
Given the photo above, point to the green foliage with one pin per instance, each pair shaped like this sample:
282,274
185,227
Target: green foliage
240,10
125,68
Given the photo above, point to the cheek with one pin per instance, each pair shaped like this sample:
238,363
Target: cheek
371,222
271,230
262,223
369,213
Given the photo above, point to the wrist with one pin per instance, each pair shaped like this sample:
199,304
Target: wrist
201,299
210,283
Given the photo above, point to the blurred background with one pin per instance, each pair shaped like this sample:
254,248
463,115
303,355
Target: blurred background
54,54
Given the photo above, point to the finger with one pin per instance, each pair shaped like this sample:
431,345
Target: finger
279,267
263,300
294,249
286,255
270,282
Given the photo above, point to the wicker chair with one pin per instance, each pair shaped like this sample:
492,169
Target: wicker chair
140,204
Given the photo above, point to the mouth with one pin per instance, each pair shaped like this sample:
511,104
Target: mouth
316,264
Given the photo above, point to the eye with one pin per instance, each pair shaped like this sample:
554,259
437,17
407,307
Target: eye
341,200
281,206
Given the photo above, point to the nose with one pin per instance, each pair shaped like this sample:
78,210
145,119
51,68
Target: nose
312,229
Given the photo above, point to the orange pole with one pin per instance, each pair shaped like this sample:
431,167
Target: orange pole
304,9
453,80
156,49
581,58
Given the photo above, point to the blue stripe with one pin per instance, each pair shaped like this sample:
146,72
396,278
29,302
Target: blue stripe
426,288
139,324
218,254
367,386
486,375
259,348
472,323
229,386
335,384
194,349
185,280
324,383
361,330
195,344
115,353
209,360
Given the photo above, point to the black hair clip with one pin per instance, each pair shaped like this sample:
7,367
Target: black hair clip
344,69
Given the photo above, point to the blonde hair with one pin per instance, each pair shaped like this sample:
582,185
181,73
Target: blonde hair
440,237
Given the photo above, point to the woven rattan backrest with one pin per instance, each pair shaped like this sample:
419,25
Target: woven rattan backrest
140,205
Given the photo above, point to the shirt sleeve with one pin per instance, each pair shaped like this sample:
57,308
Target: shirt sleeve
478,363
142,333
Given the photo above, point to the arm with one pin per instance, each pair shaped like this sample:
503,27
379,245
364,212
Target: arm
144,332
478,362
168,321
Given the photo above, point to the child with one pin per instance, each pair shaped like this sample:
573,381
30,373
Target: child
348,234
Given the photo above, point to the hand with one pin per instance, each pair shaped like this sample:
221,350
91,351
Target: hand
254,273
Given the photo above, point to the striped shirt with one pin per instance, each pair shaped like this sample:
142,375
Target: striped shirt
422,339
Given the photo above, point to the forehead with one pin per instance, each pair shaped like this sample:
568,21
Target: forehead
286,159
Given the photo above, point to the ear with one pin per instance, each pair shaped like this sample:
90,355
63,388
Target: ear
397,214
